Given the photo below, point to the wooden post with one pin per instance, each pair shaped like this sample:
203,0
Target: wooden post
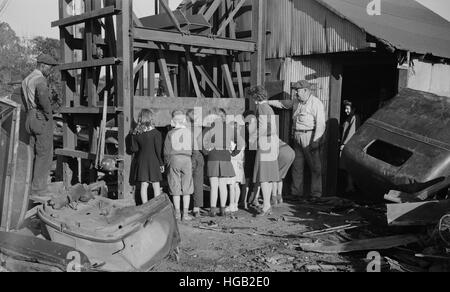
258,59
124,92
333,131
68,92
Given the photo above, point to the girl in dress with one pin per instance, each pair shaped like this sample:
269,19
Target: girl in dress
147,146
217,146
237,160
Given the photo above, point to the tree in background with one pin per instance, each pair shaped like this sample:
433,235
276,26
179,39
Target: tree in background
18,58
15,59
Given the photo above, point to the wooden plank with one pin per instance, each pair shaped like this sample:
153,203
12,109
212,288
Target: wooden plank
228,79
124,93
91,15
179,48
215,74
371,244
212,9
162,63
165,106
81,154
417,214
88,64
151,77
146,34
333,130
89,110
172,17
193,75
239,79
258,58
141,63
216,91
230,17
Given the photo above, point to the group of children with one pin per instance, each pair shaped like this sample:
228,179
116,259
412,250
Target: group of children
186,148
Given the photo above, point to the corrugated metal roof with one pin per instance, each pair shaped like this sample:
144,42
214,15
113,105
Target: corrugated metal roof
405,24
304,27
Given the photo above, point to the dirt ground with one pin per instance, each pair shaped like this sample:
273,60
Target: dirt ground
248,244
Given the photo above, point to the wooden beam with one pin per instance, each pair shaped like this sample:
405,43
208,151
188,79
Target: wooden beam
230,17
124,93
146,34
179,48
212,9
216,91
141,63
333,129
193,75
239,78
164,70
80,154
169,12
88,64
258,58
151,77
91,15
228,79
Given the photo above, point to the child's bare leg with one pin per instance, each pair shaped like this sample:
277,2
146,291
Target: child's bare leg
177,205
186,204
214,181
232,196
275,190
237,196
266,188
156,189
223,192
257,194
144,192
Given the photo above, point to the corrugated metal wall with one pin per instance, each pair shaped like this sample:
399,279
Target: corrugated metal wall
305,27
315,69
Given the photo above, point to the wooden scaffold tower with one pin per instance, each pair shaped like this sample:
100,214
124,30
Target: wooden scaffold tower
115,64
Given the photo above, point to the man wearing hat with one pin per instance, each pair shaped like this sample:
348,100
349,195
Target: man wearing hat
39,103
309,128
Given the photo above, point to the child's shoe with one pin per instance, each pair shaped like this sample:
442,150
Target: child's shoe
213,212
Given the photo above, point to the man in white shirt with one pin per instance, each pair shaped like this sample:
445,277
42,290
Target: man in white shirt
309,128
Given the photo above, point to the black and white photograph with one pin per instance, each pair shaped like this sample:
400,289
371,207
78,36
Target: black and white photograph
225,143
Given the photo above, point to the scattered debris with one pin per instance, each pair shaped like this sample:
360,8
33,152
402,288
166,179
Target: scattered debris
361,245
330,230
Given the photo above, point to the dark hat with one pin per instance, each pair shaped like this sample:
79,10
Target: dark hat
302,84
46,59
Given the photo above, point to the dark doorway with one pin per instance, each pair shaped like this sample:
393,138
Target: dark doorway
368,87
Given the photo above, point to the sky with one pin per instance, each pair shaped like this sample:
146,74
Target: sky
31,18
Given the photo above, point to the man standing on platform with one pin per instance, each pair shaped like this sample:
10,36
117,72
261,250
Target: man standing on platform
309,128
39,102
